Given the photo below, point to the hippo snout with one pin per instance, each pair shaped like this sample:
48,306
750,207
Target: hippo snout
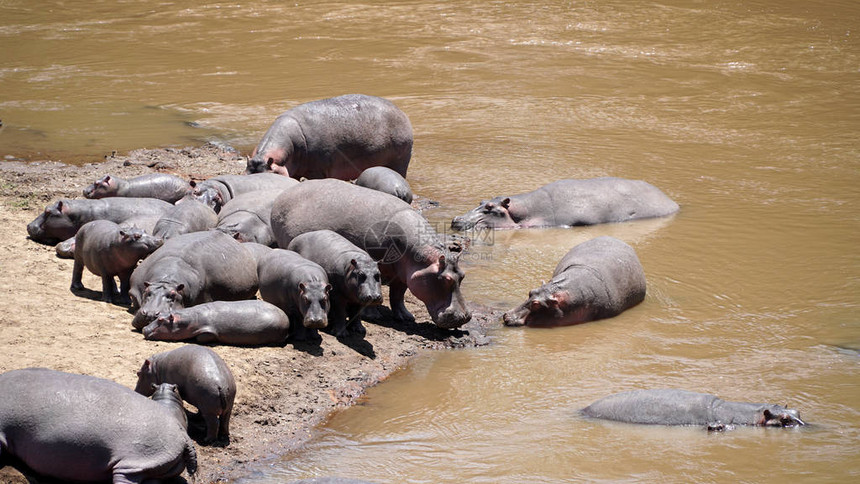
452,319
460,223
514,318
315,322
372,299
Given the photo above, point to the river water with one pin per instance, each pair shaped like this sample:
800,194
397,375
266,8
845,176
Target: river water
746,113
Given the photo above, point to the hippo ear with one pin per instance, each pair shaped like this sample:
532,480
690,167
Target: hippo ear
123,234
302,287
353,264
146,284
193,183
180,288
327,288
442,263
154,387
270,162
506,203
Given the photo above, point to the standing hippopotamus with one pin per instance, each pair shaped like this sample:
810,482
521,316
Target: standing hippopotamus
299,287
567,203
335,138
86,429
162,186
107,251
386,180
192,269
61,220
404,244
596,279
680,407
188,216
247,217
353,274
167,395
230,322
219,190
204,380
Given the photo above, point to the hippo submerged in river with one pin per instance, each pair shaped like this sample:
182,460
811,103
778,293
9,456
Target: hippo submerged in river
337,137
681,407
596,279
567,203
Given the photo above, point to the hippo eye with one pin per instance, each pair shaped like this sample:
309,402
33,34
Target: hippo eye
377,277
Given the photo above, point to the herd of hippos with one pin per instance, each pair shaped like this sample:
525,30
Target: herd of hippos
191,259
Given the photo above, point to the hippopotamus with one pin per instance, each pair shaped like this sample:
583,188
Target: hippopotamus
167,395
247,217
108,250
567,203
188,216
192,269
353,274
219,190
258,251
299,287
204,380
596,279
86,429
337,137
409,252
61,220
229,322
681,407
386,180
66,249
162,186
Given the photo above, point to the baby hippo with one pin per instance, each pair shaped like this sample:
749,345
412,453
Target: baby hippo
230,322
353,274
680,407
167,395
386,180
154,185
108,250
299,287
204,380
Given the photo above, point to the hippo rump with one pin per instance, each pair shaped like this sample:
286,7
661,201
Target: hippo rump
219,190
386,180
247,217
61,220
337,137
204,380
681,407
82,428
297,286
162,186
192,269
567,203
230,322
408,250
596,279
186,217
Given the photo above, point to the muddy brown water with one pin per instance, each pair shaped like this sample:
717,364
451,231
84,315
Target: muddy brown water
746,113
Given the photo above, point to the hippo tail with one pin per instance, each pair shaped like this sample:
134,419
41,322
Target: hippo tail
189,455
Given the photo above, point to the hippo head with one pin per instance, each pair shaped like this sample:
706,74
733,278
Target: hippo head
107,186
207,195
778,416
166,391
170,327
437,285
272,160
546,306
493,214
140,243
146,378
314,303
363,282
55,224
158,298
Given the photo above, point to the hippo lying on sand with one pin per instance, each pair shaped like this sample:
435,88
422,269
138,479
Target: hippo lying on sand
680,407
188,216
230,322
596,279
81,428
247,217
219,190
162,186
335,138
567,203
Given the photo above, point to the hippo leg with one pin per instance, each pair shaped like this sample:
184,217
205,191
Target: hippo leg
337,317
109,289
354,326
397,291
77,275
124,286
211,427
224,423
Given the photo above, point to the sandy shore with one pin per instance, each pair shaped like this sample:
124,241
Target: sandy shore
283,392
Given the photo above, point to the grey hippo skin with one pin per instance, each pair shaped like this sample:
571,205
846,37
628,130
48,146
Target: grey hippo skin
162,186
167,395
596,279
258,251
681,407
299,287
61,220
219,190
567,203
82,428
192,269
353,274
108,250
204,380
337,137
386,180
408,250
229,322
189,215
247,217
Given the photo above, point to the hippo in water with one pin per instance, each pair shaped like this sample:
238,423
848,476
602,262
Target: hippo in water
596,279
386,180
335,138
567,203
85,429
162,186
407,248
681,407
